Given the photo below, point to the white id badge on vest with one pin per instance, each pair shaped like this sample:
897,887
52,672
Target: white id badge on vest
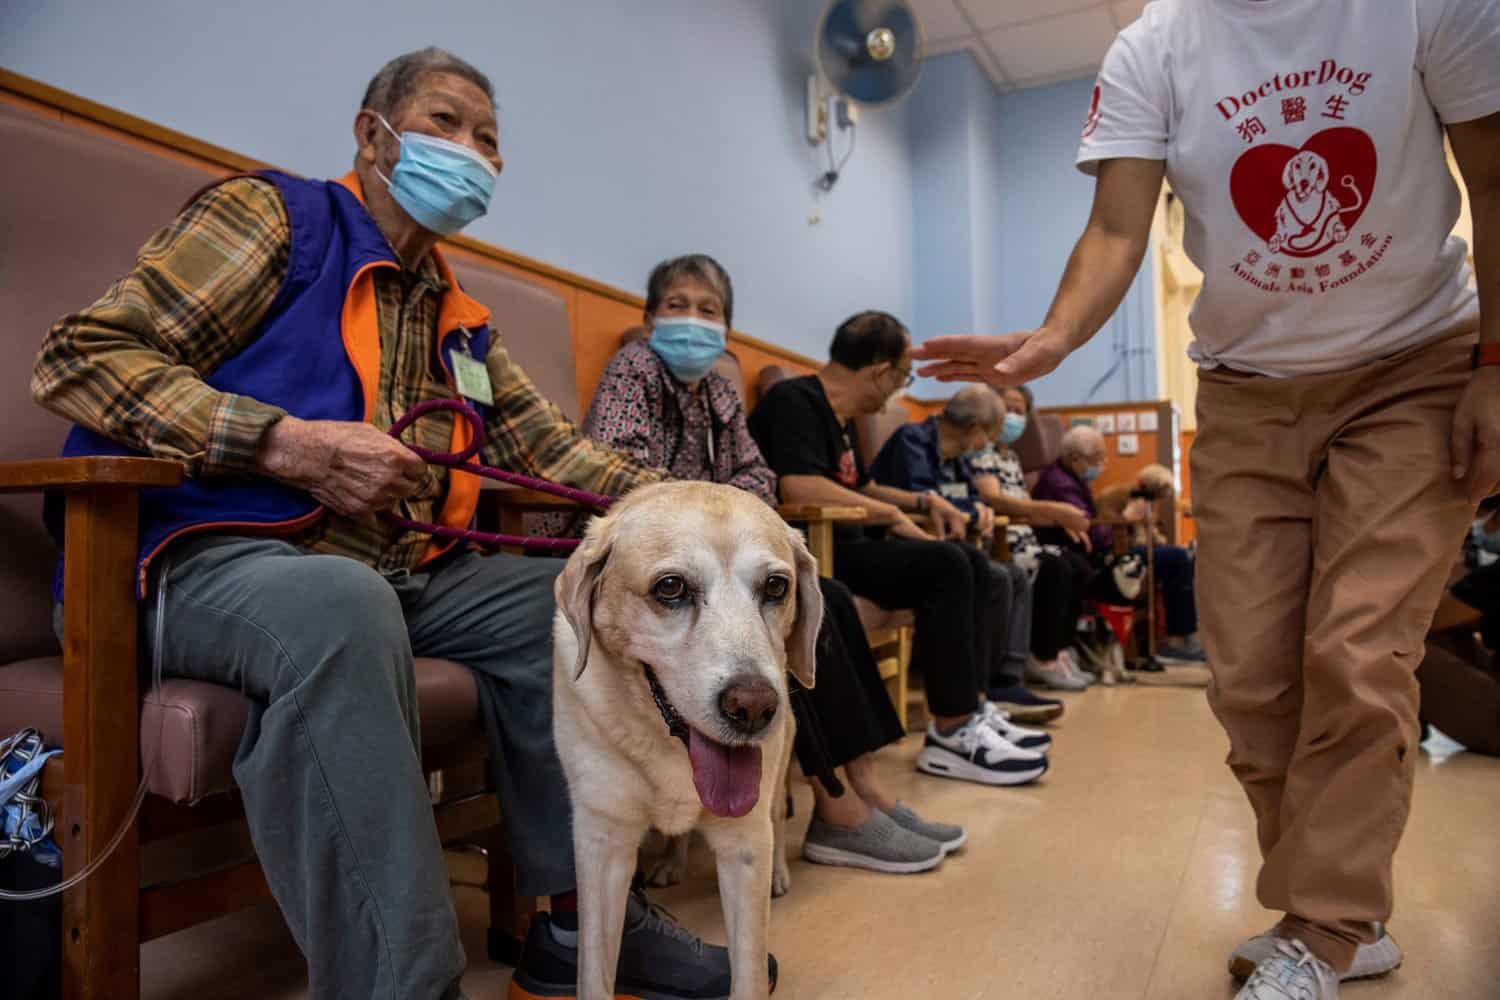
954,491
472,378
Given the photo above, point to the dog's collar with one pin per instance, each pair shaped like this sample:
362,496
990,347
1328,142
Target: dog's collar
669,715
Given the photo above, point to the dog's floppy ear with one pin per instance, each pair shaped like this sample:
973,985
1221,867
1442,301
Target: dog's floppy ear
1287,180
577,587
802,644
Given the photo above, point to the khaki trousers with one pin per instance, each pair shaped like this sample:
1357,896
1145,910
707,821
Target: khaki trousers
1327,519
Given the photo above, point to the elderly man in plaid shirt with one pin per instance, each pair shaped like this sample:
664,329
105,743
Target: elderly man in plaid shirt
268,338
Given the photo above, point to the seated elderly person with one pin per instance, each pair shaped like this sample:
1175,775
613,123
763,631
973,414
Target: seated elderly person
271,358
1174,565
1081,462
933,456
661,401
805,428
1060,577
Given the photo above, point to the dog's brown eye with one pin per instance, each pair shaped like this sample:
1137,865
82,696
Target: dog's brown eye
670,589
777,587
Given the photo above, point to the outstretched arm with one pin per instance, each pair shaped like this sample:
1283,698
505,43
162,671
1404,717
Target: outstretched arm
1099,272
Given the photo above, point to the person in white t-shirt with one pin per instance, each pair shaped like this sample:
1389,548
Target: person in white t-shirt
1347,423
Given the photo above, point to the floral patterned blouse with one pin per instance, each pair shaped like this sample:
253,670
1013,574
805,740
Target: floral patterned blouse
1025,550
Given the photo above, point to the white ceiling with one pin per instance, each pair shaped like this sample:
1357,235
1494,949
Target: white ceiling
1026,43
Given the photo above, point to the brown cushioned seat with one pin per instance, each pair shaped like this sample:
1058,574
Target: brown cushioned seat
1040,445
203,723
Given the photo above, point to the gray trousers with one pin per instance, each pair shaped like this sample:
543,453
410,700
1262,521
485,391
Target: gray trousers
1010,595
329,765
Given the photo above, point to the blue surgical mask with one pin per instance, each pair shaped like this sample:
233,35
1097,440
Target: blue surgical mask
443,185
1012,428
1092,473
688,347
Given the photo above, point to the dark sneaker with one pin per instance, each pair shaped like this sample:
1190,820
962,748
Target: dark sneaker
1026,706
1177,650
659,960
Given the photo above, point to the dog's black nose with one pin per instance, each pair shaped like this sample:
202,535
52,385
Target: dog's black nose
748,703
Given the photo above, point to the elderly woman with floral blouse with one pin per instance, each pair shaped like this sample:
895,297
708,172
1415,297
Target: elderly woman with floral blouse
661,401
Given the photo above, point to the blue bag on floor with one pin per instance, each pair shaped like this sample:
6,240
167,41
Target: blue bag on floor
29,860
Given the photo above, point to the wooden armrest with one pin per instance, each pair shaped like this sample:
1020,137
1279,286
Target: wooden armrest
81,473
807,513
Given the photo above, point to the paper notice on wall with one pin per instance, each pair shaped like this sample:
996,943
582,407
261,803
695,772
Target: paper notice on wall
1105,424
1147,421
1129,444
1126,423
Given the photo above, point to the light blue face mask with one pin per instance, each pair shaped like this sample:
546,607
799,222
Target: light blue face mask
688,347
1092,473
443,185
1011,429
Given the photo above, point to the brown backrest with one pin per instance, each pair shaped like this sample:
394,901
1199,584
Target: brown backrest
76,206
769,376
1039,446
532,323
875,430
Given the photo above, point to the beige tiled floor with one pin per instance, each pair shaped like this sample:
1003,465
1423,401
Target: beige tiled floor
1128,873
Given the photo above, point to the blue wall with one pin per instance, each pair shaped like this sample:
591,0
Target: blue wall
632,131
947,230
1045,203
997,207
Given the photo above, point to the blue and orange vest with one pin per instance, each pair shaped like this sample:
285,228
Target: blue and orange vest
317,356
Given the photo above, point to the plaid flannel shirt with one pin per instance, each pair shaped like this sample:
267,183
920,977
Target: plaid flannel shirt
132,367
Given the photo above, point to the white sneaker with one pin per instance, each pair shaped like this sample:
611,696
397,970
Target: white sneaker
1055,675
1370,960
1291,973
977,753
1070,663
998,719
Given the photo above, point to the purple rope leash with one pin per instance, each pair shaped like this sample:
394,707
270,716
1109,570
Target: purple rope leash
461,460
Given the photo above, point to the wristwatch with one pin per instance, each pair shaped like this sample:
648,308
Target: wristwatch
1486,355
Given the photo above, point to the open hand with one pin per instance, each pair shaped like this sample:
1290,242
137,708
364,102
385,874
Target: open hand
905,527
1067,517
985,520
947,520
1011,359
1476,435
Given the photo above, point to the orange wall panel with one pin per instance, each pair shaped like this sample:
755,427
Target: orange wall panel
597,325
1155,447
1186,531
753,358
598,314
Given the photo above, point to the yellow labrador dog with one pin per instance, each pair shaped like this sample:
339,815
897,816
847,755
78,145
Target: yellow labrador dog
679,617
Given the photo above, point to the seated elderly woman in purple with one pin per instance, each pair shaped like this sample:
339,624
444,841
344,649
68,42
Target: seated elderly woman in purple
661,401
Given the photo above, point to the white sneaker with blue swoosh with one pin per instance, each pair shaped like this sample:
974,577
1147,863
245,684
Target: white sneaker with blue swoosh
975,752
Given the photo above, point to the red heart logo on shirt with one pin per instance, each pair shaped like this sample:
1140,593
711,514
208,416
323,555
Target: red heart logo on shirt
1305,201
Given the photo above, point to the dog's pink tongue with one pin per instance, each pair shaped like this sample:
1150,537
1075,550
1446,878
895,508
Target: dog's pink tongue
727,778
